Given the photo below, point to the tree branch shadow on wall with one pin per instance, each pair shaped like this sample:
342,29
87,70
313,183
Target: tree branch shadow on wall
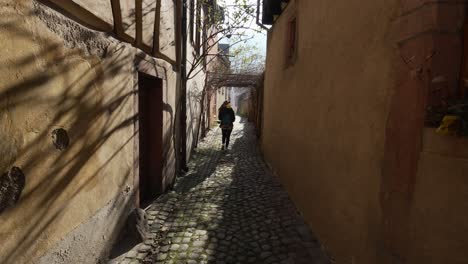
194,100
169,143
93,121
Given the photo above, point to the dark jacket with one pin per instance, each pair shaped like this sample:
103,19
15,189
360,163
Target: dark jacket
227,117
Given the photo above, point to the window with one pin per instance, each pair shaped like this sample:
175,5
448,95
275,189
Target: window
291,45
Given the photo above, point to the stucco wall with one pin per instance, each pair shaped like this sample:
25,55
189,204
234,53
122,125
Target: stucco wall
167,39
374,185
220,97
128,17
58,74
195,87
100,8
325,118
148,16
87,91
194,96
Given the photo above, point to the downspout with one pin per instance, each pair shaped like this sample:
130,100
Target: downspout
183,101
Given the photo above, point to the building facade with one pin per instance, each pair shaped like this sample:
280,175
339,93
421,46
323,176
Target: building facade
348,84
90,114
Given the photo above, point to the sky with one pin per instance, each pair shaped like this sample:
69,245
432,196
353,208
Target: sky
258,40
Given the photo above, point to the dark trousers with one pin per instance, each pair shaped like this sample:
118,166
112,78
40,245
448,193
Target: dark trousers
226,136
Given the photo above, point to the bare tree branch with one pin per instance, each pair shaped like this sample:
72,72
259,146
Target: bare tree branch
218,25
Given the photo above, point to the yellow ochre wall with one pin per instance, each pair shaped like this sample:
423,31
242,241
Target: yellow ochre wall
324,118
350,105
55,73
46,85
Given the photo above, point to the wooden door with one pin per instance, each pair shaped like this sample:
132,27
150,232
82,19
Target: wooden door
150,109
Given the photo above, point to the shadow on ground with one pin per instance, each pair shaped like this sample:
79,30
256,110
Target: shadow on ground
230,209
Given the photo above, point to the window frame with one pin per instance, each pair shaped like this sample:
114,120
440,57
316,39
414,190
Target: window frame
291,46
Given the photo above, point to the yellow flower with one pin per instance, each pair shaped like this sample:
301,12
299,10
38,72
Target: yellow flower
448,126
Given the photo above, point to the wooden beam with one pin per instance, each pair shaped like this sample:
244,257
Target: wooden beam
117,14
118,23
146,48
88,19
157,28
157,22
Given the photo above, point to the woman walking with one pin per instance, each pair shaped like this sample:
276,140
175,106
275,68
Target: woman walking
227,117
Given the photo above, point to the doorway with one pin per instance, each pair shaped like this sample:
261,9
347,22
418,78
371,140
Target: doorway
150,117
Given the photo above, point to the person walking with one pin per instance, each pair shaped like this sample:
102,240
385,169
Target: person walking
226,117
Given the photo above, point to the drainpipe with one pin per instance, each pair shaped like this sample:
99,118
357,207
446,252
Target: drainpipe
183,101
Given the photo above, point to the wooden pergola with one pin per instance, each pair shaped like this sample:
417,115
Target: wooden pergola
217,80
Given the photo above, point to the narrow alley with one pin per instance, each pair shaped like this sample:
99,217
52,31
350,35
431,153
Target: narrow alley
228,209
350,144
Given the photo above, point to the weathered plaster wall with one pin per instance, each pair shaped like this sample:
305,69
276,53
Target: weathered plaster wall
221,96
167,39
149,12
169,128
325,118
89,242
128,17
100,8
194,96
374,185
99,15
57,74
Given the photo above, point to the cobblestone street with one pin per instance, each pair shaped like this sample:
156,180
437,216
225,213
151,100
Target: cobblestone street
227,209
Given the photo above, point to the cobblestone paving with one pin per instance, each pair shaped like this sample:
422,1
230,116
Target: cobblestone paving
227,209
